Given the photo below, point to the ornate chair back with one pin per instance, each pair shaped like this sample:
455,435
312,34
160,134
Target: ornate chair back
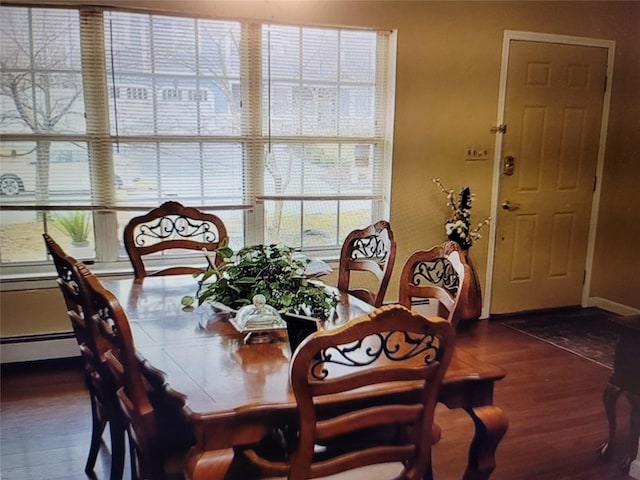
172,226
102,392
371,249
437,273
379,373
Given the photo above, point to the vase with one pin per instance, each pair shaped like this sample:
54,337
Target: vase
470,303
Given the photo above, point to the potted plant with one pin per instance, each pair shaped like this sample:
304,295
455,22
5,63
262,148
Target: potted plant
76,225
270,270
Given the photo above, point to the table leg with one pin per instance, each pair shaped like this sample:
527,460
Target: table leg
610,399
491,424
210,465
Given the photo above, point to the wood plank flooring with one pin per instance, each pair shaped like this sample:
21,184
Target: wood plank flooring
553,400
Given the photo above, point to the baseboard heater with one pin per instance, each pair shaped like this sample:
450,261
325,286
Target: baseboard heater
43,346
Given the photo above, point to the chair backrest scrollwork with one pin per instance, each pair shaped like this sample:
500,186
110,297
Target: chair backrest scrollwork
172,226
371,249
437,273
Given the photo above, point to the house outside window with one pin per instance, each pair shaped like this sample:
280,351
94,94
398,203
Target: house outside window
281,131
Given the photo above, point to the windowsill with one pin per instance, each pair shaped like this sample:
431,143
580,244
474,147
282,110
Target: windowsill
35,280
38,279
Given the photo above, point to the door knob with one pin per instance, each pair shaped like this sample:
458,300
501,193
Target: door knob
507,205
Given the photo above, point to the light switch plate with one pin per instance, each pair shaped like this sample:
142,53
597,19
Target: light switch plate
476,152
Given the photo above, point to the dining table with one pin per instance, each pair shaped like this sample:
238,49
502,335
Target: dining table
234,393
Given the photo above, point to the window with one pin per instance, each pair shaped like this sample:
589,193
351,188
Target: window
280,130
170,94
136,93
195,95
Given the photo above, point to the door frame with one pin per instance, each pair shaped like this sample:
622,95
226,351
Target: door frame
509,36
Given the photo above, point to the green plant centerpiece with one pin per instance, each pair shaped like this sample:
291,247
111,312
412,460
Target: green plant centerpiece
270,270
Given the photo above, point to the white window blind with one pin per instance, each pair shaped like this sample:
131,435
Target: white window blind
323,123
280,130
44,142
174,108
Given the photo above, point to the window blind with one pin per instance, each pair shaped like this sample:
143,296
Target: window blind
282,130
44,135
323,132
175,108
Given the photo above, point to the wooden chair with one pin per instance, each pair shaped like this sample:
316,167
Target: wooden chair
382,371
159,434
104,403
372,249
437,273
172,226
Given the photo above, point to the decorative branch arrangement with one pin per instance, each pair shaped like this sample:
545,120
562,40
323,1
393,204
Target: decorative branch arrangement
458,227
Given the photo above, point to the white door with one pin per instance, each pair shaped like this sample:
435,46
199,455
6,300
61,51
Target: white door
553,113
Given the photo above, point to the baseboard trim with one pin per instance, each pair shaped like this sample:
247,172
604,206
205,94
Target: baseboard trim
611,306
28,348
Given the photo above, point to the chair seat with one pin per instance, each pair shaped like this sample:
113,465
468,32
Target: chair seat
380,471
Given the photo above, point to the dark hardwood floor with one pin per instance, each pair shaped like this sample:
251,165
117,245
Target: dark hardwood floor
553,400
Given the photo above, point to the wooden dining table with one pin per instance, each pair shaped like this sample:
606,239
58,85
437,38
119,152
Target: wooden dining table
235,393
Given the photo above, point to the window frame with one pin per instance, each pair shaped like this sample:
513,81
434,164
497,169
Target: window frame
100,139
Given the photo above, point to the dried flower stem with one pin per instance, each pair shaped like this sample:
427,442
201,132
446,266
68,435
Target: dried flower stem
457,227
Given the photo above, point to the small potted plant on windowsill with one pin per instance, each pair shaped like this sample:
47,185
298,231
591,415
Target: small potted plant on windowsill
76,226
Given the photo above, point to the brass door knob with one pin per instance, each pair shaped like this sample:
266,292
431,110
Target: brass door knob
507,205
